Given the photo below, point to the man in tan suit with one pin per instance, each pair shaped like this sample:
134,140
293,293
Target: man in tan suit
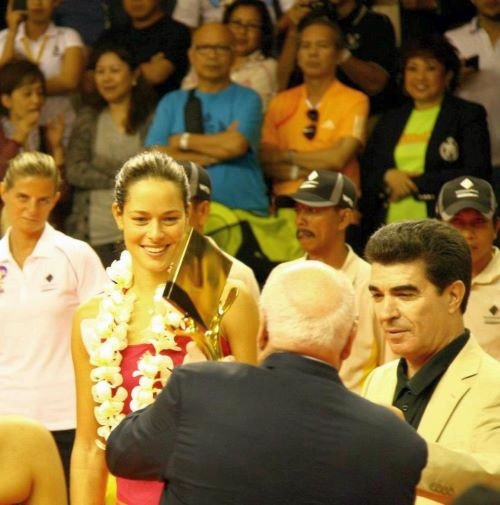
444,385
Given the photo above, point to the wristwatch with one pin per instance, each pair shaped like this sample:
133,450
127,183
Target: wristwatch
184,142
294,172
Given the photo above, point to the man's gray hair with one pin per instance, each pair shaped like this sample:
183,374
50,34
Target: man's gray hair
308,305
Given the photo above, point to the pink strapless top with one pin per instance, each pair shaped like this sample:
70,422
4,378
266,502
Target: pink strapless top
141,492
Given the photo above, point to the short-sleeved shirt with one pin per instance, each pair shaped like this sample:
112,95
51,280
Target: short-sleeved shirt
166,36
370,37
482,87
237,182
482,316
258,73
48,53
196,12
342,113
37,304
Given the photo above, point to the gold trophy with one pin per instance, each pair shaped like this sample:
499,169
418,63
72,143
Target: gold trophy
211,345
195,285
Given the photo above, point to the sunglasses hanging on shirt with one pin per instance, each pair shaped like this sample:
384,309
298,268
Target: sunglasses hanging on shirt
312,114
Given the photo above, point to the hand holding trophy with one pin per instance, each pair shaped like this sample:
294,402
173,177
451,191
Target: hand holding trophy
211,343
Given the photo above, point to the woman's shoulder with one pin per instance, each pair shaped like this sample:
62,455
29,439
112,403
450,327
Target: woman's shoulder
86,118
462,105
89,309
242,296
71,36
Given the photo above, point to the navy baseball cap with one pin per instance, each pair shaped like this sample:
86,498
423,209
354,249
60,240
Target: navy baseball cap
199,181
466,192
322,189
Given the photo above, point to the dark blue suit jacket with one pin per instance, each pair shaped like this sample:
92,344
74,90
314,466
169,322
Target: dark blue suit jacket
287,432
459,145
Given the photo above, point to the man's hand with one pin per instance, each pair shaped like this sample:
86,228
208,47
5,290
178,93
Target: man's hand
299,9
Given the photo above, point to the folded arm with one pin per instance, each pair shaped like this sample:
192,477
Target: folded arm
278,163
223,145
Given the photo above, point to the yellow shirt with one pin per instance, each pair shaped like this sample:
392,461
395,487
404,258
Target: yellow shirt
410,157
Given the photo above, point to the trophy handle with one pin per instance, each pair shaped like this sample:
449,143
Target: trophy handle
213,348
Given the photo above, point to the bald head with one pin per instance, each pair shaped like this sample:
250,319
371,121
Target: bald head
210,31
211,55
308,307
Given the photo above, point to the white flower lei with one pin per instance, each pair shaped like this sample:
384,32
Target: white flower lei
110,338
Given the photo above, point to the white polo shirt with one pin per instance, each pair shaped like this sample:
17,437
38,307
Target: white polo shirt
37,304
482,87
47,52
482,316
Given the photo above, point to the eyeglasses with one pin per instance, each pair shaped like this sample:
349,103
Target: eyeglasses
207,49
239,25
309,131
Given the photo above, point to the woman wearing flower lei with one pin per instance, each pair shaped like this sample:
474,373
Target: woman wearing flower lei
127,340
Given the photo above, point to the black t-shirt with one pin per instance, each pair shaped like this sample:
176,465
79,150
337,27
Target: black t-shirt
370,37
167,36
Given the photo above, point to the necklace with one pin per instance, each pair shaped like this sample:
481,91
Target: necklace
109,338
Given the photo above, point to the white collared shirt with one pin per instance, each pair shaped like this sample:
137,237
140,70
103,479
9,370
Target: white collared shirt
482,316
37,304
482,87
48,52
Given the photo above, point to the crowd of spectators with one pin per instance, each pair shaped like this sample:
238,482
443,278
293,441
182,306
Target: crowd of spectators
309,126
329,107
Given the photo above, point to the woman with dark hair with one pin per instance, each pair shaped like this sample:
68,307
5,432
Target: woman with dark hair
430,139
127,340
253,66
22,95
105,134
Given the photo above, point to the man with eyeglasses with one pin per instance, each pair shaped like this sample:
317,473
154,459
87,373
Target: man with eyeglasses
319,125
217,125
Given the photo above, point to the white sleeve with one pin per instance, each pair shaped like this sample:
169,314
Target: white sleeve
188,12
91,274
71,37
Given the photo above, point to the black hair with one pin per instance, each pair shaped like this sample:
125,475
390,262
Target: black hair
442,249
18,73
434,46
143,98
314,18
150,165
267,39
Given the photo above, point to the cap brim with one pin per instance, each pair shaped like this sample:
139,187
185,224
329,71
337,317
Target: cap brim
304,198
453,209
